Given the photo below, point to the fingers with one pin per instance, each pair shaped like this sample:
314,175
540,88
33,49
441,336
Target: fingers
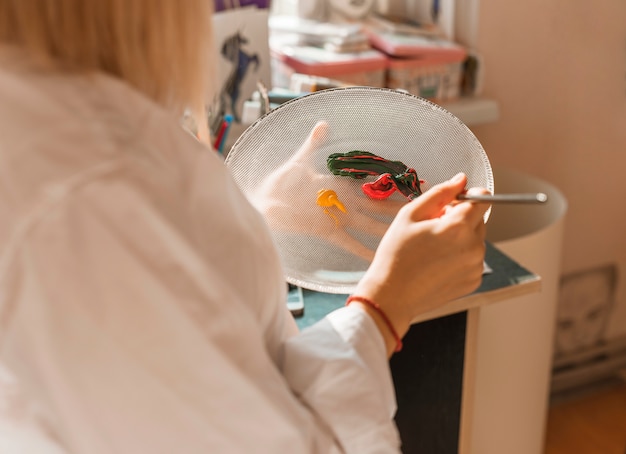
432,253
471,212
441,200
316,137
433,202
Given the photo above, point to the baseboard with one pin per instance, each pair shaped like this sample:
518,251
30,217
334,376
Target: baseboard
596,364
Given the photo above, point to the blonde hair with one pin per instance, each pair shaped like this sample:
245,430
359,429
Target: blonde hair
161,47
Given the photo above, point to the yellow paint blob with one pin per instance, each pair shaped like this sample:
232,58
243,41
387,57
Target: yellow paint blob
328,198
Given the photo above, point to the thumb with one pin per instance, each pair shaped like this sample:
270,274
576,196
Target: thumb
431,204
316,137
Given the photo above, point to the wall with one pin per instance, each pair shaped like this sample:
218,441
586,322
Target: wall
558,70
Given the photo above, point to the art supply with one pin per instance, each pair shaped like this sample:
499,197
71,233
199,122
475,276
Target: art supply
328,198
324,256
539,197
220,134
391,175
228,119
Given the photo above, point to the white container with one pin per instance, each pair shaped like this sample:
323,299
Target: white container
433,79
515,338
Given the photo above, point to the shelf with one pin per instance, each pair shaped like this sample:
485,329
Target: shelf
471,111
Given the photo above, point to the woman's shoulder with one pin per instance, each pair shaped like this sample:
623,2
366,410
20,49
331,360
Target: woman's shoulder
57,126
63,134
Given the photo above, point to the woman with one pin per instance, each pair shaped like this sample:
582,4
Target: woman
142,303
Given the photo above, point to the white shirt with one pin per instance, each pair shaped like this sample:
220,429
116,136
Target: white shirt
142,302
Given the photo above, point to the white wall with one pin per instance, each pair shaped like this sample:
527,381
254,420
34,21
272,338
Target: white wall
558,71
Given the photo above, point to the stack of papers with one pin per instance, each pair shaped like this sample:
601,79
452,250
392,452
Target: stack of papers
348,37
402,39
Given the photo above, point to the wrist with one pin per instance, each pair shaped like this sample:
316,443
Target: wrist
392,336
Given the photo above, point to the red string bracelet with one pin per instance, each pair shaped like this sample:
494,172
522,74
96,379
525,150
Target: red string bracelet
382,314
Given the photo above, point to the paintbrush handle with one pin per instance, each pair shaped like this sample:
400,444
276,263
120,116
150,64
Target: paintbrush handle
539,197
